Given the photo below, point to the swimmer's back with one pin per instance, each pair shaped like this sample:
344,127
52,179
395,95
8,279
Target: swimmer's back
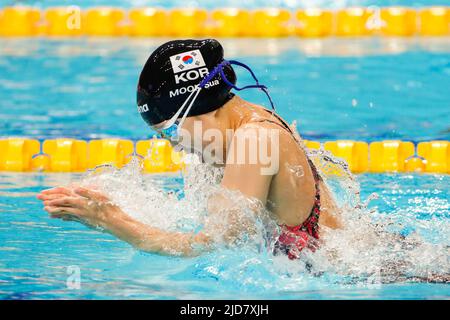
292,191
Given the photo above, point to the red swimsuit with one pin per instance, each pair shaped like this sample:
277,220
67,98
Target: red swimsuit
294,239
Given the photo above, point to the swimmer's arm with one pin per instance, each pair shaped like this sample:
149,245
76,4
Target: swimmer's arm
150,239
249,178
95,209
253,176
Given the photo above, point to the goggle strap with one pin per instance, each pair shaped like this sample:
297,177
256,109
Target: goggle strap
172,120
197,90
256,86
212,74
264,89
243,65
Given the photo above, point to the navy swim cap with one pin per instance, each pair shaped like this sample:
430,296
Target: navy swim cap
173,71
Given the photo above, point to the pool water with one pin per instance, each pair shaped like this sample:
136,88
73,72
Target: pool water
37,252
373,88
369,89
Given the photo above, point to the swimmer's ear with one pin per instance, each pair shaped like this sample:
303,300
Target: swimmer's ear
90,194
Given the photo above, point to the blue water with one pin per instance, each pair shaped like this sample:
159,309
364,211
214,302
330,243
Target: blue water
367,90
86,88
37,250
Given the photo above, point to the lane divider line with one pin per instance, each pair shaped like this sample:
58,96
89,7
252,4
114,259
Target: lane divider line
158,156
72,21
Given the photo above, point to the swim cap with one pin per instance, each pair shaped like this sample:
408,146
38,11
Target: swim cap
173,71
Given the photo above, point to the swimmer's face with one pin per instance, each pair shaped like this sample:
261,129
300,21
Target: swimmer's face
197,134
181,138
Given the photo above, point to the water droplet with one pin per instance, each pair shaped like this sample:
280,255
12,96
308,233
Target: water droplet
297,170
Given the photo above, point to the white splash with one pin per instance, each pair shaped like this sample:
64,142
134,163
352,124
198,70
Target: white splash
367,249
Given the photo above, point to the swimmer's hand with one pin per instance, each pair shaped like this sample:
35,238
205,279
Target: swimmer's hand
77,203
95,209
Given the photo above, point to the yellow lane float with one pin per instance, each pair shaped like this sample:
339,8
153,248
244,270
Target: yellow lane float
148,22
63,21
435,21
226,22
355,153
436,155
159,156
187,22
353,22
314,23
65,155
270,22
311,144
398,21
389,156
414,164
16,154
19,21
105,21
117,152
230,22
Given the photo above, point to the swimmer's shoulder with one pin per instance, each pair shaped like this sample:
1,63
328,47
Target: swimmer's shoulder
264,128
258,117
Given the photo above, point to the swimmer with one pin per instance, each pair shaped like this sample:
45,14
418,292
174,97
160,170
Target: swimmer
186,85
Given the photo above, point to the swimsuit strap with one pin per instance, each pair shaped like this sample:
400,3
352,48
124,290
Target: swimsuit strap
283,124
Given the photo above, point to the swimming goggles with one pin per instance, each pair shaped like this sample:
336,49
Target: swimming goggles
171,130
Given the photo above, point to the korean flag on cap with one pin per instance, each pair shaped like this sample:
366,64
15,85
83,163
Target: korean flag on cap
187,61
